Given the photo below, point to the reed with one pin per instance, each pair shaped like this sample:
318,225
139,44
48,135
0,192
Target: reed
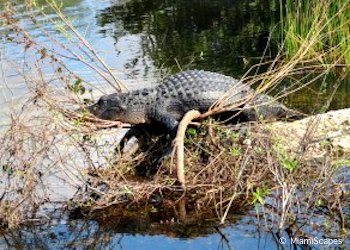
327,20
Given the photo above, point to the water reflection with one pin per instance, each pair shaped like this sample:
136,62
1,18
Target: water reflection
126,233
214,35
81,234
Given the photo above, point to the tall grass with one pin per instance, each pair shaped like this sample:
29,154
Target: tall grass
328,20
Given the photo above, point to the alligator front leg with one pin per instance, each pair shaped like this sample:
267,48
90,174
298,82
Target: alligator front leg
139,139
170,122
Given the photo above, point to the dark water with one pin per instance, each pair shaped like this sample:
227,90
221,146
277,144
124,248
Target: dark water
142,40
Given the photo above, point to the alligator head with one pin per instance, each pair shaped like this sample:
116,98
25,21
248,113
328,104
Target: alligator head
109,107
119,107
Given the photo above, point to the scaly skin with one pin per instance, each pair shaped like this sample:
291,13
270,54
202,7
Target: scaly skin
169,101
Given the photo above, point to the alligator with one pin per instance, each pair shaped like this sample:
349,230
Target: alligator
167,103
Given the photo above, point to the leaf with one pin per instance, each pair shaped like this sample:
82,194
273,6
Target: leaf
43,53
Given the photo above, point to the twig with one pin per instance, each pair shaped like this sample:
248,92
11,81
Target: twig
233,197
120,85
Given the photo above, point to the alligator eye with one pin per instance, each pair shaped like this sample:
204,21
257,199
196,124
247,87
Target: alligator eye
102,101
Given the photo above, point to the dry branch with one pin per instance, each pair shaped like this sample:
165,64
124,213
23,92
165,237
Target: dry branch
179,144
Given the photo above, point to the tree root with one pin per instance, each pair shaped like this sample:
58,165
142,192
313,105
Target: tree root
179,144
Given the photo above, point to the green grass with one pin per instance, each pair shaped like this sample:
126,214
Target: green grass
327,20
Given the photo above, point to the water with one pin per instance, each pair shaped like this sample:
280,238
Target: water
84,15
128,234
140,40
